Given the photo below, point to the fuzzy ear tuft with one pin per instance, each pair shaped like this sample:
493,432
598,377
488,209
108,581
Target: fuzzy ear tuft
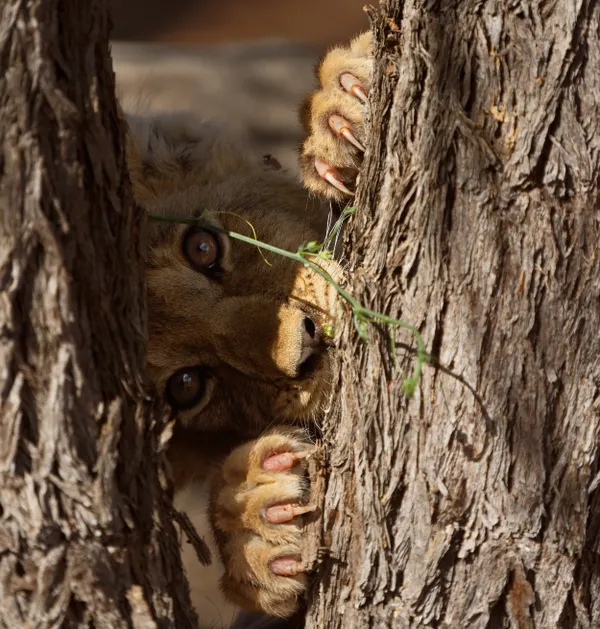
170,152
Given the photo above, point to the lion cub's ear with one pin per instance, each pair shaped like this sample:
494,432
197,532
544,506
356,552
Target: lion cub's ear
170,152
167,146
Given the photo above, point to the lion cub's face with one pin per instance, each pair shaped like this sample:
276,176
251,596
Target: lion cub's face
235,341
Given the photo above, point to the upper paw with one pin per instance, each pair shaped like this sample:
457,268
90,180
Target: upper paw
334,117
258,520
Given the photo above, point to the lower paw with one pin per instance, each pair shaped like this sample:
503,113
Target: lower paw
259,511
334,119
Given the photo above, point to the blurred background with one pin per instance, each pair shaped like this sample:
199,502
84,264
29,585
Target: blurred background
246,63
317,22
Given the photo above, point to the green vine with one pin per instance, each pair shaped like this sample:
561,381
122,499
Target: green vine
361,316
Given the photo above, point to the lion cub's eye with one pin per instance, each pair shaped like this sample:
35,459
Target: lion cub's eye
201,249
186,387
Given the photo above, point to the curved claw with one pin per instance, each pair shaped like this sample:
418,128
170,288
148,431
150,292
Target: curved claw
342,127
278,514
284,460
286,566
331,175
353,86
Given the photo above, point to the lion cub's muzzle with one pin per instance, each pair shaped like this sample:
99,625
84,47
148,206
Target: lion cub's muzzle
269,336
272,339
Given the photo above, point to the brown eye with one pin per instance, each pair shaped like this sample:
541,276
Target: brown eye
201,249
186,387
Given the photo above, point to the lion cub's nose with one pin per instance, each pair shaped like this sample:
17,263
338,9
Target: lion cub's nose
312,340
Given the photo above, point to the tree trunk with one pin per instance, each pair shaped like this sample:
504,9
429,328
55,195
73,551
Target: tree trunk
475,503
86,535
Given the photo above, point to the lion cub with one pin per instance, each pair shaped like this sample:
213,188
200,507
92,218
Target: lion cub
237,340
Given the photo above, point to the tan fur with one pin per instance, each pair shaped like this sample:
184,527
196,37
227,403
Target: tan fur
244,326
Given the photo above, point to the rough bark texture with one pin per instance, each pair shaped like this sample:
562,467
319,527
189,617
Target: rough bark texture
479,224
86,538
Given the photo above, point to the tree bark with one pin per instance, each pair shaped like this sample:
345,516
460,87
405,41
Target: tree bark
475,503
86,534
